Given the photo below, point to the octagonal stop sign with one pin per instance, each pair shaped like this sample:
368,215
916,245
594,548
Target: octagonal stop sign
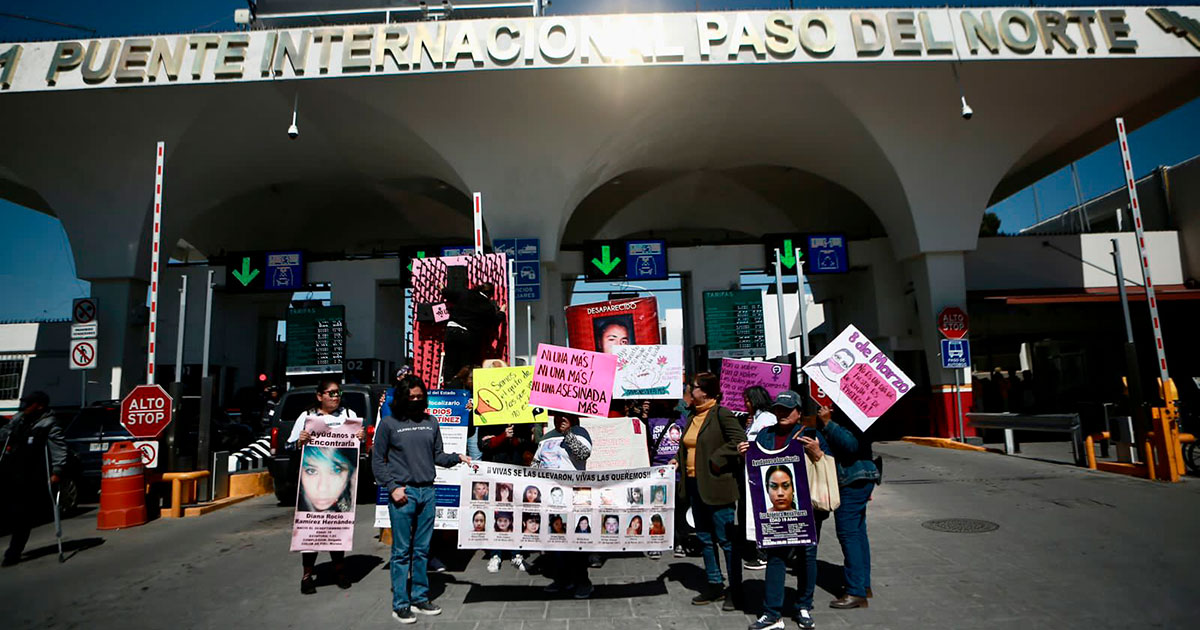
146,411
952,322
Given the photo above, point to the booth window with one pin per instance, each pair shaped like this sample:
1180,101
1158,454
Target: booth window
10,378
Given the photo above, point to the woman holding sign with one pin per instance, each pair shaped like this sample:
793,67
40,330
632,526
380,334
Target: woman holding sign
781,497
857,477
330,410
709,454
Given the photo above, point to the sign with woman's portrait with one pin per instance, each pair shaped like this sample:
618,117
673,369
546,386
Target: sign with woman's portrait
778,489
325,493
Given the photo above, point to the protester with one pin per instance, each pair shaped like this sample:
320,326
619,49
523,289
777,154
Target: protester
31,444
758,404
472,328
330,410
407,447
711,462
675,434
386,398
857,478
506,444
786,409
567,447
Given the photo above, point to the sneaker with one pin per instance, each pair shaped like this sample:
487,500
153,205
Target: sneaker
680,551
308,585
427,608
595,561
584,592
404,615
494,564
804,620
557,587
711,593
754,564
766,623
654,555
518,563
436,565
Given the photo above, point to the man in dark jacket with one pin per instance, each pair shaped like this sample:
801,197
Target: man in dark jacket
407,446
474,322
30,443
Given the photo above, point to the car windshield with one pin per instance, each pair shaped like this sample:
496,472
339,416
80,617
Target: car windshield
92,420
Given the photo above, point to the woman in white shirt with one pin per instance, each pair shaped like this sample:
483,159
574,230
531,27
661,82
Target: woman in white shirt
329,408
758,404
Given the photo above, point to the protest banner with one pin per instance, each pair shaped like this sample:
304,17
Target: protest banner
451,409
325,493
604,326
383,519
649,372
738,374
858,376
665,436
502,396
782,511
571,380
616,443
431,279
616,510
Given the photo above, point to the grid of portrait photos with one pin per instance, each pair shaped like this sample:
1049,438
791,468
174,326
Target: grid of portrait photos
511,507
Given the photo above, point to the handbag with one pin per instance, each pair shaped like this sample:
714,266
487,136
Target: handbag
823,484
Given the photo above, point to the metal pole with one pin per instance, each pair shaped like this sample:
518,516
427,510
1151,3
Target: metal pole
529,330
512,315
208,298
206,394
803,294
82,389
783,339
1134,378
155,236
1085,223
176,389
54,500
958,410
1116,254
179,333
1037,206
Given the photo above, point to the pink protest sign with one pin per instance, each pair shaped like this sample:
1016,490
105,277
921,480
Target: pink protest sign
325,494
737,375
858,376
572,380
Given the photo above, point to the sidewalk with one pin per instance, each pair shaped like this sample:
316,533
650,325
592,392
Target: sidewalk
1074,549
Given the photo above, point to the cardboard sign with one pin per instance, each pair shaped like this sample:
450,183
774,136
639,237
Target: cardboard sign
737,375
649,372
781,509
604,326
860,378
616,443
327,487
574,381
501,396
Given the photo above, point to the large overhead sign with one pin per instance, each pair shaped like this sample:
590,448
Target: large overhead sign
733,324
910,35
819,253
251,272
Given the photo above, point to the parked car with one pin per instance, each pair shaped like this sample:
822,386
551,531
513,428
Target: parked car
284,465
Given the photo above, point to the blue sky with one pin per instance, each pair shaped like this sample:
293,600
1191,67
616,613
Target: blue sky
37,270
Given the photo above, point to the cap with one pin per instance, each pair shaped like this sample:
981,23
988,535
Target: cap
37,397
402,372
787,399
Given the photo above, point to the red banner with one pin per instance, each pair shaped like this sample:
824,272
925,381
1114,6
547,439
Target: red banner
602,326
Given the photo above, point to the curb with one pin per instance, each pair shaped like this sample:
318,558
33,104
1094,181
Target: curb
945,443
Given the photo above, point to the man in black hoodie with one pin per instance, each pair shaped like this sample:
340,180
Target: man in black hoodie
474,321
408,444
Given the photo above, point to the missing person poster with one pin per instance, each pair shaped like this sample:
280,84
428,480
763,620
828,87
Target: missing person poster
858,377
515,507
326,490
605,326
571,380
778,490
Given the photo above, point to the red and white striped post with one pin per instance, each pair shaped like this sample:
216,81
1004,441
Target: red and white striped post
478,199
1143,255
155,237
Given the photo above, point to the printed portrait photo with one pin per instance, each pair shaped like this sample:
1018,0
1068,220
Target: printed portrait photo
504,521
613,331
658,495
326,479
612,524
531,523
657,526
583,496
583,525
558,524
635,495
779,485
479,521
533,494
504,493
479,491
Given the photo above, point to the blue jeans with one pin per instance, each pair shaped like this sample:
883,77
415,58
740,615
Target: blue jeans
850,519
715,526
806,576
473,446
412,529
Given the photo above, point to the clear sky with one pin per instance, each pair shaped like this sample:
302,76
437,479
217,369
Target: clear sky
37,270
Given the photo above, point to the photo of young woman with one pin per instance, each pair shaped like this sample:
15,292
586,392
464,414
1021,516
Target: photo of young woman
584,526
533,494
658,495
557,524
780,489
504,493
479,521
612,524
657,528
531,523
635,526
504,522
635,496
479,491
325,479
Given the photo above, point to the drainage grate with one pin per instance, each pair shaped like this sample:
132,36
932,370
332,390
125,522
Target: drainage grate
960,525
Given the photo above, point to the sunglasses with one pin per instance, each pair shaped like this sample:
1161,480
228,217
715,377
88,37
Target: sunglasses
333,393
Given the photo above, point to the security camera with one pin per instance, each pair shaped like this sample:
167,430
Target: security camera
294,131
967,112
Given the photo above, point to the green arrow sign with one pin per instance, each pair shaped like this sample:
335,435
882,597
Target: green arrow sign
420,254
788,257
246,275
606,263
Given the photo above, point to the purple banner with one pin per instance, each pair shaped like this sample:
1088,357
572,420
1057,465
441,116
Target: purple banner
778,490
737,375
668,446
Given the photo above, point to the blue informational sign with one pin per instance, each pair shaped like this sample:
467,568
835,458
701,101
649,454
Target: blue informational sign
956,354
826,254
449,407
527,254
464,250
646,260
285,271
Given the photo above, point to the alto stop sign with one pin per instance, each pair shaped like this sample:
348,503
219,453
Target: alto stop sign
146,411
818,395
952,322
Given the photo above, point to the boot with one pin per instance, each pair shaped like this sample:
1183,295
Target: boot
308,585
339,572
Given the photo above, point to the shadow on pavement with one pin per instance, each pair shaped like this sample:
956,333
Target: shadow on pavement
525,593
831,578
690,576
70,548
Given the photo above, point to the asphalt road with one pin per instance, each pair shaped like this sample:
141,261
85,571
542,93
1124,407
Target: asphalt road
1073,549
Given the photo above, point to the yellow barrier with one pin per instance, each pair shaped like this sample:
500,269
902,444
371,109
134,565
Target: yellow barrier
178,479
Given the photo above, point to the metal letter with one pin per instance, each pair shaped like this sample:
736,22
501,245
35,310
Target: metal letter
1052,26
1084,19
9,61
268,54
932,44
357,49
593,37
507,54
201,43
859,20
326,36
297,54
67,56
393,42
432,44
1112,23
747,35
231,53
464,44
162,56
1024,45
781,36
664,51
902,30
1173,23
814,48
712,30
980,30
93,74
560,53
135,55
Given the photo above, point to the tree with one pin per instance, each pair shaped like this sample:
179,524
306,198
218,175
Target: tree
990,225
